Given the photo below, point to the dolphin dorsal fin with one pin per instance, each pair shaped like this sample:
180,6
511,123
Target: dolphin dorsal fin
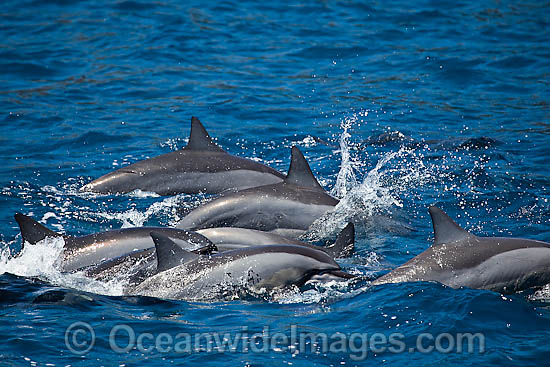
299,172
345,243
199,138
445,229
169,254
32,231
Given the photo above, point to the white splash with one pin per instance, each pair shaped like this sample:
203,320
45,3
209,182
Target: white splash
143,194
380,191
33,261
346,178
136,218
41,261
541,295
321,293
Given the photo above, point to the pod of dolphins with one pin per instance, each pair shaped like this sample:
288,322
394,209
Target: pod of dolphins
246,239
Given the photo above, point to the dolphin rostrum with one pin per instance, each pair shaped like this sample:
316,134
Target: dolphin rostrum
287,208
202,166
460,259
185,275
231,238
94,249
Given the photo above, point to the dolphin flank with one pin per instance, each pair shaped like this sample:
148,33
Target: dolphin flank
460,259
287,208
202,166
231,238
185,275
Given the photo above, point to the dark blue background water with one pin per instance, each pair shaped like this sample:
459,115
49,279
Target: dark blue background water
450,98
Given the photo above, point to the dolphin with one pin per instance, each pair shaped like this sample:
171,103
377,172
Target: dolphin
138,265
185,275
94,249
231,238
287,208
202,166
461,259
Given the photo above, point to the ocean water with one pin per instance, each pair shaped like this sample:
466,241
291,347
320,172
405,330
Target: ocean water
397,106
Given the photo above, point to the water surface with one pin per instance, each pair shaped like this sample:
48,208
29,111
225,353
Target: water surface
396,106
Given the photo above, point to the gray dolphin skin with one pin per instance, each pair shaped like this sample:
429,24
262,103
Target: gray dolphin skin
287,208
231,238
202,166
94,249
185,275
461,259
138,265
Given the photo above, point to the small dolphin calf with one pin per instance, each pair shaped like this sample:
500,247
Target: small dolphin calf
94,249
231,238
287,208
184,275
461,259
202,166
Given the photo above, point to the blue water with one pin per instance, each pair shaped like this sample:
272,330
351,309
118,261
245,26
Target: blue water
397,106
